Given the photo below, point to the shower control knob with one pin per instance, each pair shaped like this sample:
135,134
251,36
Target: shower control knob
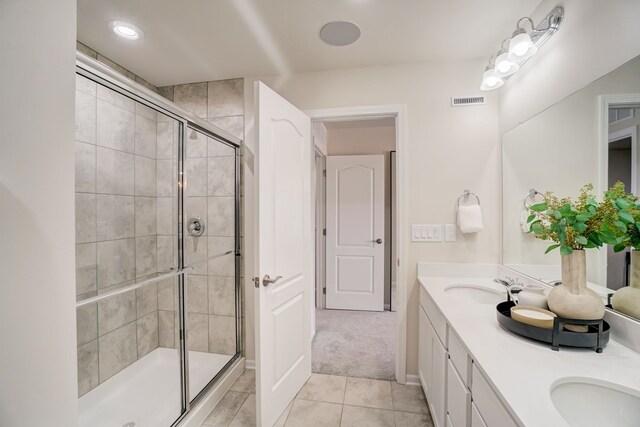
196,226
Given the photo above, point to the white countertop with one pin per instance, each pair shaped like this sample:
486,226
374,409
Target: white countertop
523,371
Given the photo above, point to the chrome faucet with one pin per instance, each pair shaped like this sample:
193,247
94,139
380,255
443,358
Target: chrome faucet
513,286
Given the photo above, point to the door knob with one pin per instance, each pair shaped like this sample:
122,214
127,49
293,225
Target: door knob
378,241
266,280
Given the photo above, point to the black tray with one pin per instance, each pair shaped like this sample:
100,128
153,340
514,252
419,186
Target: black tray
596,337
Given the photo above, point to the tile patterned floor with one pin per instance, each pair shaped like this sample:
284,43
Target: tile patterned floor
329,401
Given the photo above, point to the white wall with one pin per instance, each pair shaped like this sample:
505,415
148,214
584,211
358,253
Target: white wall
37,270
449,149
595,38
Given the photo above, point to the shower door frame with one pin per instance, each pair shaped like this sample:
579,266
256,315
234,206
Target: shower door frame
105,76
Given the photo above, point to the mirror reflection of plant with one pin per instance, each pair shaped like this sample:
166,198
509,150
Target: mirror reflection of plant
627,224
577,224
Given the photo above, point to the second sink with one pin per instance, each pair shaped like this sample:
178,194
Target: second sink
476,293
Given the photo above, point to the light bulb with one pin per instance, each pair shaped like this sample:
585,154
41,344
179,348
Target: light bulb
505,65
490,81
126,30
521,47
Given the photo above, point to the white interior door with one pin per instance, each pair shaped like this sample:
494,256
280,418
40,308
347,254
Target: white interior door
355,232
284,270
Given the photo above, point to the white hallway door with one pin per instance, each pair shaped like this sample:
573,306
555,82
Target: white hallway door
284,270
355,233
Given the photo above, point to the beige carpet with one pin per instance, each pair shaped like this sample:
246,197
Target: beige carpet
355,344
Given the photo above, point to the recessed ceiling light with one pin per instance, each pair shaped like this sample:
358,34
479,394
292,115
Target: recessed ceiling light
126,30
339,33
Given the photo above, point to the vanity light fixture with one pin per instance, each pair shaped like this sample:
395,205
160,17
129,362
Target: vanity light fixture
522,46
126,30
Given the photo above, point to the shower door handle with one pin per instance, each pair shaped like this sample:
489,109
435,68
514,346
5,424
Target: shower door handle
267,280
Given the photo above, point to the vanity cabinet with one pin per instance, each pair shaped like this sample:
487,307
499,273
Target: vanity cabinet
457,392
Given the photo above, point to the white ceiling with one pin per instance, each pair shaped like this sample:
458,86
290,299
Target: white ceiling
198,40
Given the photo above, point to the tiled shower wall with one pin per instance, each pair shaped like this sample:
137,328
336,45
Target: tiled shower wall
209,193
125,233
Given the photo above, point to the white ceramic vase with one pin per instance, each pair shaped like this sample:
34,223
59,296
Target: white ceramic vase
533,296
627,300
572,299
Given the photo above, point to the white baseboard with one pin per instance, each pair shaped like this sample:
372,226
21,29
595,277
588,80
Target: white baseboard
199,413
249,364
412,380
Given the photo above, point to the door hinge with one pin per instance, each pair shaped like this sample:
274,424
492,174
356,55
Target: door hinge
324,173
324,291
398,262
324,231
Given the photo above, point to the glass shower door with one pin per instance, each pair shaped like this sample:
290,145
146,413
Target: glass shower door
127,277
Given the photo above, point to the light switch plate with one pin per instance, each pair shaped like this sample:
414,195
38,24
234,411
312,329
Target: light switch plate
450,232
426,233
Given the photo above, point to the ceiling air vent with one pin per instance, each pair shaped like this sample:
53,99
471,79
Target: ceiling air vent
463,101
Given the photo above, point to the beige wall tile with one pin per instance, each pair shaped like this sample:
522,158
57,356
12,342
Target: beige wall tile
167,178
195,253
231,124
147,334
146,256
197,294
85,117
116,311
221,213
196,144
226,98
117,350
222,291
197,332
221,176
166,91
216,148
166,329
146,300
86,268
146,179
115,172
115,217
145,133
145,216
196,177
87,323
165,216
88,377
166,294
222,334
166,246
192,97
116,262
85,168
166,139
115,126
85,218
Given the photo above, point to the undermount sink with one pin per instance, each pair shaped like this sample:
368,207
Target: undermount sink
476,293
588,402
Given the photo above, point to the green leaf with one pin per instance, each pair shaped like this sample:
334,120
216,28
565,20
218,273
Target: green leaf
619,247
536,228
557,214
626,216
552,247
622,203
582,240
565,209
580,227
583,217
539,207
565,250
531,217
620,226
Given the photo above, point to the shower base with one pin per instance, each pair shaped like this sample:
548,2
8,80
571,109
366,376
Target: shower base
147,393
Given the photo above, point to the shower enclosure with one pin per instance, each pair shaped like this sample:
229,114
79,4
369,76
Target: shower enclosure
157,253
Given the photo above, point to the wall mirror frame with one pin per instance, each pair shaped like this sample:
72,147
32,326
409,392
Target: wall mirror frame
560,149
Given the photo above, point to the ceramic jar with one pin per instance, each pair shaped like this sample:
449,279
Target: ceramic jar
572,299
627,300
533,296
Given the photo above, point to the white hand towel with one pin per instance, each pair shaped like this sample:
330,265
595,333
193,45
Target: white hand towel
524,214
470,218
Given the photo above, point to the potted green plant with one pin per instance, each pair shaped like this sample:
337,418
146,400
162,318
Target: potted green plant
627,299
574,225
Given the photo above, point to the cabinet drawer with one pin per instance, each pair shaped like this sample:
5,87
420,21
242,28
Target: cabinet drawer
436,319
488,404
458,398
460,358
476,419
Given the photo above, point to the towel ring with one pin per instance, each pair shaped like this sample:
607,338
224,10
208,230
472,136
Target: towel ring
531,195
466,194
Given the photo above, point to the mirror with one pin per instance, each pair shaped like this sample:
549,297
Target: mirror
589,137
